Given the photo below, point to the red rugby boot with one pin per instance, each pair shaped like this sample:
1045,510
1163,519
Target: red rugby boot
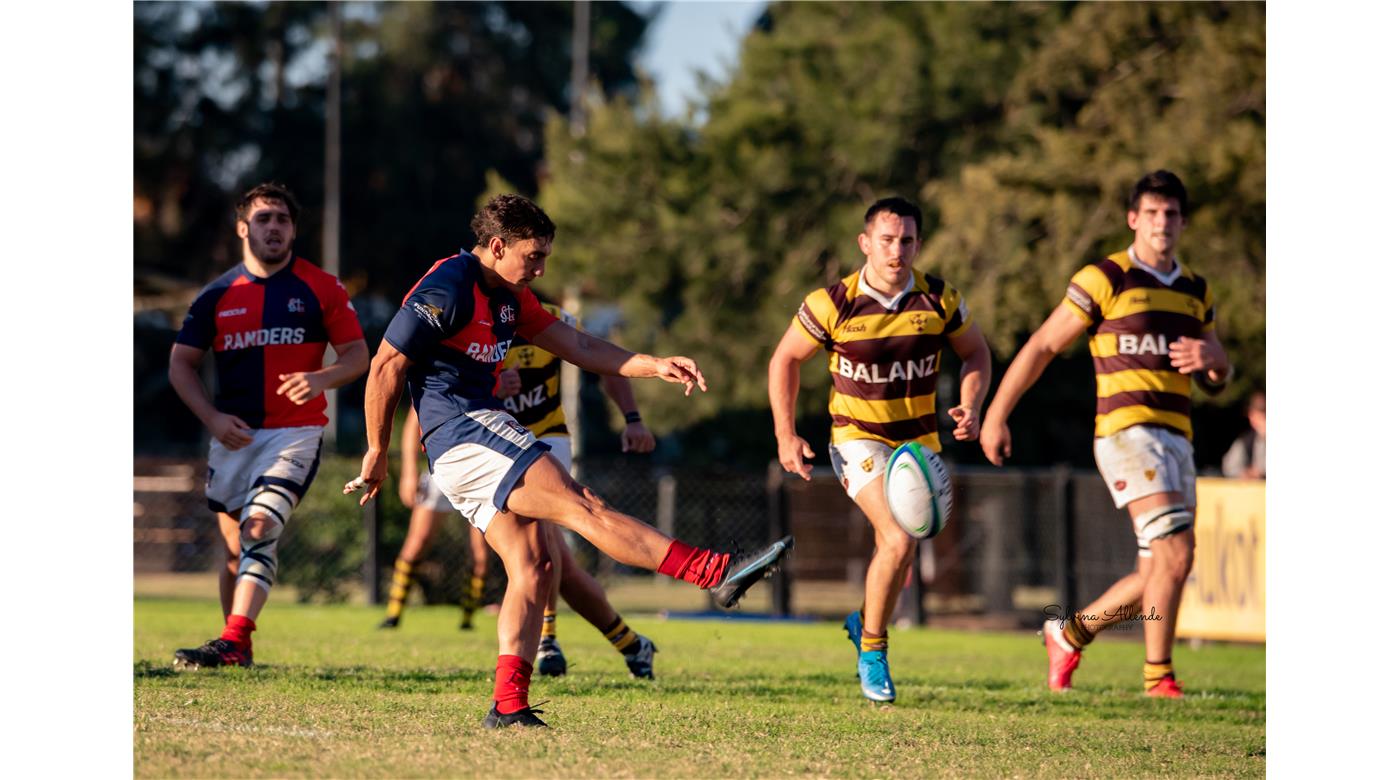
1064,659
1166,688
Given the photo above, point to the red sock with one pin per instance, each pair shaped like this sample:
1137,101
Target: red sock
698,567
512,683
239,630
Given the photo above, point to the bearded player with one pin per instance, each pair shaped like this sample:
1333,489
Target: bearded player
1151,326
267,321
885,326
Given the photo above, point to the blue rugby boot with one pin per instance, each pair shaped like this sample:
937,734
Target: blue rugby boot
853,629
875,680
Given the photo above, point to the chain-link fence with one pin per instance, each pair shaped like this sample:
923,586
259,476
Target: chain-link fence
1018,541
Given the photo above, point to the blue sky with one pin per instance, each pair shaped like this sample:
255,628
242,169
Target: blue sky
692,35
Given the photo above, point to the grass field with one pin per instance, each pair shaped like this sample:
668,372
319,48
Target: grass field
332,697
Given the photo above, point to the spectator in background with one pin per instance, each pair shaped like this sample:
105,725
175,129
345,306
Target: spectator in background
1245,460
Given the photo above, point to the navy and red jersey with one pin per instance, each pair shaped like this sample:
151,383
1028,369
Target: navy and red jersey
457,330
259,328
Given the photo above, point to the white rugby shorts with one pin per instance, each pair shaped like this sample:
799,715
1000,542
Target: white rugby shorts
284,457
429,495
1144,460
483,460
859,462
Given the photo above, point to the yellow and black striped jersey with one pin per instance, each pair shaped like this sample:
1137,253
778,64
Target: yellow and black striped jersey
538,404
1133,316
884,358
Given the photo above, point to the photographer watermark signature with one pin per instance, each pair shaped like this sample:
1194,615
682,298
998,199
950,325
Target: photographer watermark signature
1121,618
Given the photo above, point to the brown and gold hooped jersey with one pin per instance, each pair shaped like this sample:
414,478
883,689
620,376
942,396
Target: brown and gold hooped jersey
884,363
538,405
1133,317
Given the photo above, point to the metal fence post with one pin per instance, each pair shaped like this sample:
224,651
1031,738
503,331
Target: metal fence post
778,527
371,520
1064,495
666,508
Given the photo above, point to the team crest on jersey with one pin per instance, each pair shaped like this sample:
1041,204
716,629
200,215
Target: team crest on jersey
1151,474
527,355
507,313
1120,485
867,464
296,306
918,320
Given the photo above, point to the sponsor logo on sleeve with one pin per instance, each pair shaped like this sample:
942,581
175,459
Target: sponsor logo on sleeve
429,313
233,312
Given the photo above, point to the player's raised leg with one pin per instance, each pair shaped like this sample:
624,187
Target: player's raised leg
547,492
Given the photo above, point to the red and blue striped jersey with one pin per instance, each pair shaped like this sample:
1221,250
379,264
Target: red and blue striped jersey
457,330
260,328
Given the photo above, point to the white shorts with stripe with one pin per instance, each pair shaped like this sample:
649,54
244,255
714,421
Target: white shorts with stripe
484,453
429,494
280,459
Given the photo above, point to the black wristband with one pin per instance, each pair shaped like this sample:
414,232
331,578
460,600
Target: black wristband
632,417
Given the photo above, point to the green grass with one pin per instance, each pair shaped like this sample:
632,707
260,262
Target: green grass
332,697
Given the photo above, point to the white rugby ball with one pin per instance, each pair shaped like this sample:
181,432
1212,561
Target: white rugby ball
918,490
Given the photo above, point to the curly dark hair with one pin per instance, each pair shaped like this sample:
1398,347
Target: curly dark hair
268,190
511,218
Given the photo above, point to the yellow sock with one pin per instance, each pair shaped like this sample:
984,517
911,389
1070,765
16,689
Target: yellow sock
1155,673
1077,633
398,589
868,642
548,632
620,635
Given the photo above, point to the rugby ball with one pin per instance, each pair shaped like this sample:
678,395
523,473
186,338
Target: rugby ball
918,490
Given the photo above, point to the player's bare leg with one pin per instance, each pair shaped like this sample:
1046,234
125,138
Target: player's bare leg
546,491
550,661
228,573
587,598
524,550
889,566
476,582
1172,557
422,524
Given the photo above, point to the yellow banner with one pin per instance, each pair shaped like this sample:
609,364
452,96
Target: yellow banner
1224,596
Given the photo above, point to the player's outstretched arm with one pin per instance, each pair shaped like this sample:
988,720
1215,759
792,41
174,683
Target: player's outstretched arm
1058,331
971,347
228,430
635,436
784,375
387,373
603,357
